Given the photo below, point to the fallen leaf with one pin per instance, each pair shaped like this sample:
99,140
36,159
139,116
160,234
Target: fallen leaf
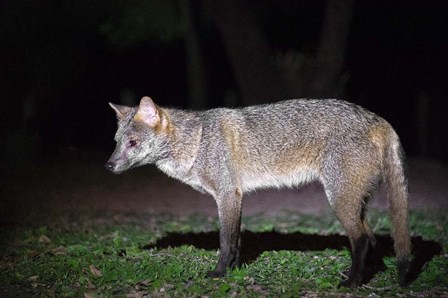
33,278
59,251
91,295
44,239
137,294
141,285
95,271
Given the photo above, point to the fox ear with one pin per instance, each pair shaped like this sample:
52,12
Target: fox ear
119,109
147,112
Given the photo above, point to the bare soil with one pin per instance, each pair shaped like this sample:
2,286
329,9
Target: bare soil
77,181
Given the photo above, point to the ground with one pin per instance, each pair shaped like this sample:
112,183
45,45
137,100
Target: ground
76,180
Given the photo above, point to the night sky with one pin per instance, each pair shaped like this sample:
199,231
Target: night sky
62,61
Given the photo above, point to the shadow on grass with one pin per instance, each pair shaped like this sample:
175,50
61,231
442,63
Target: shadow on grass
253,244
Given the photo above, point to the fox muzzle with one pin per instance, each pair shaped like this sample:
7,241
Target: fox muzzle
110,166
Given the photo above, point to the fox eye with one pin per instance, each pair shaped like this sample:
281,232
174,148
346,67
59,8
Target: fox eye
132,143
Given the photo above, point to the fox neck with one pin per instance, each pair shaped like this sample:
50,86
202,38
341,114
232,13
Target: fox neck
184,138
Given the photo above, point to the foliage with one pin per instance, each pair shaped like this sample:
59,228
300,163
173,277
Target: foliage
108,256
144,20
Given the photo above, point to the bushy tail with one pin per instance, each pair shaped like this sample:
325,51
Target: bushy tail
397,194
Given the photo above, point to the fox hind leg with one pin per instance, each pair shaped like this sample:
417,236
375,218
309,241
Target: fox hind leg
365,223
350,213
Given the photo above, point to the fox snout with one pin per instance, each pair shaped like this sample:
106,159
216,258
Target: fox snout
115,167
110,166
114,164
117,162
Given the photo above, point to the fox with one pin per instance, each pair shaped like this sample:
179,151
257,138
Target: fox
226,152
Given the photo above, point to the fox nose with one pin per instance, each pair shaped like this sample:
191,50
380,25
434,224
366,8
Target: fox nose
110,166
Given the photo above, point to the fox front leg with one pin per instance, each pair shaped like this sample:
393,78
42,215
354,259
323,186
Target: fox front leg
229,212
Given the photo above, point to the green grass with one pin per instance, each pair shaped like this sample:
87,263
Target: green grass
104,255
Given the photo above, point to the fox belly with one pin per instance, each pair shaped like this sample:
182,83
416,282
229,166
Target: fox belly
276,179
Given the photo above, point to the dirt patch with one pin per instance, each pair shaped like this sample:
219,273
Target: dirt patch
78,181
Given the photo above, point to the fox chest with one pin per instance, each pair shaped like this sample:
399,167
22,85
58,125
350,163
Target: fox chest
182,173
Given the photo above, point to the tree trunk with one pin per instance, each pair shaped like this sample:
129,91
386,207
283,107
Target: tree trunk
330,57
259,78
248,51
196,72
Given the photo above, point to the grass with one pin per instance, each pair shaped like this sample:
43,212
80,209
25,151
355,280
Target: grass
113,255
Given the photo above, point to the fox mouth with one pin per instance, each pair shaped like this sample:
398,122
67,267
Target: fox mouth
118,172
123,168
116,168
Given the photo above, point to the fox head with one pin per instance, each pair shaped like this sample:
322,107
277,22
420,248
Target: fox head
140,138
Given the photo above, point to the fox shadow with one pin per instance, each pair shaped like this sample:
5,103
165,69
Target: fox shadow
254,244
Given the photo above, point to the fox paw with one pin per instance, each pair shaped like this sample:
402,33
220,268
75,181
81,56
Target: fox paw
351,283
215,274
403,271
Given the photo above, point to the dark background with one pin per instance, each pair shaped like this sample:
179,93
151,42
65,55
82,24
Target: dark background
62,61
